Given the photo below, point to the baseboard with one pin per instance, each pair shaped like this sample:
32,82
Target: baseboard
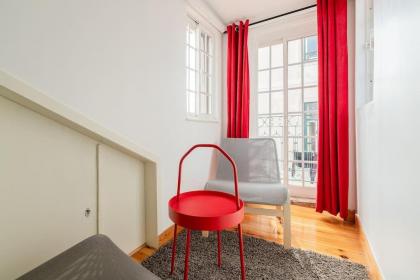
164,238
137,250
351,217
374,270
168,234
302,202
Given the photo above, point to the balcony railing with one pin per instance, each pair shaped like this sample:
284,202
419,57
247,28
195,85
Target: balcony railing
302,145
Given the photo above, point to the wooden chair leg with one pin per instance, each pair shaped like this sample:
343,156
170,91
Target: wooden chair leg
287,231
241,252
174,249
187,254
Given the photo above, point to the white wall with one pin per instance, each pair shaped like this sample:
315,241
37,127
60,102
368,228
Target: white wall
387,138
120,63
121,198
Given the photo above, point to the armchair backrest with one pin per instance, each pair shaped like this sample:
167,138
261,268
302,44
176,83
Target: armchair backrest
256,160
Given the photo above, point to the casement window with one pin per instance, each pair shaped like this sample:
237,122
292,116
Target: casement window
287,108
199,72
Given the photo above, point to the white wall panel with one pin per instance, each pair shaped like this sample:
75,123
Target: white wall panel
47,180
121,198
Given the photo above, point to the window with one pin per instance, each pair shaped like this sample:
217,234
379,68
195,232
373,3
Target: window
288,106
199,72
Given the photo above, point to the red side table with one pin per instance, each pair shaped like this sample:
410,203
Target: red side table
207,211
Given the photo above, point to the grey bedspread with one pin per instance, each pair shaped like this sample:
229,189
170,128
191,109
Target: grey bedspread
96,257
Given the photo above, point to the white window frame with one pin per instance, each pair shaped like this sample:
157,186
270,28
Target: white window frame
282,32
296,191
211,95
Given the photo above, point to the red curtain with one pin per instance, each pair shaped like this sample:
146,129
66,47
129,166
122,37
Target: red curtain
333,159
238,81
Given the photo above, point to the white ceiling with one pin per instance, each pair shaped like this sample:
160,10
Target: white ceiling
234,10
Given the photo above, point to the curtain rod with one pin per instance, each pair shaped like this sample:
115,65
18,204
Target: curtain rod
281,15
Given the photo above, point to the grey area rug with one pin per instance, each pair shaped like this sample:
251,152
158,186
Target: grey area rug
263,260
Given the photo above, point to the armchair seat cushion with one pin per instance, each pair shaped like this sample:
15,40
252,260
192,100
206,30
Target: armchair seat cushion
259,193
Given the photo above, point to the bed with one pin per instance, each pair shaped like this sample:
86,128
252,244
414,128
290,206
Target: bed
96,257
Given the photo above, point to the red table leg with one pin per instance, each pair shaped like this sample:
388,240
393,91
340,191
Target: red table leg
173,250
241,252
187,254
219,249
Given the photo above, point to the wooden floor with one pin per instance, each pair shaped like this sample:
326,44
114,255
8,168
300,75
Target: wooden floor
322,233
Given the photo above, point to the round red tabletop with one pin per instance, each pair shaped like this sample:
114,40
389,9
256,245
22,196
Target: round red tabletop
206,210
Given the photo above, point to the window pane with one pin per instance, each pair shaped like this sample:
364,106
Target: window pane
310,175
295,101
310,123
310,147
187,79
277,55
209,64
295,174
263,103
192,80
209,85
277,120
202,62
263,126
277,102
310,48
310,158
191,102
203,41
263,80
203,83
277,79
187,54
294,76
263,131
206,64
295,149
263,58
210,105
294,51
210,45
203,104
302,105
279,148
199,60
310,99
191,40
276,126
281,168
310,73
294,125
192,54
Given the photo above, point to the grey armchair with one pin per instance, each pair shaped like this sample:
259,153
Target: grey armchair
259,178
